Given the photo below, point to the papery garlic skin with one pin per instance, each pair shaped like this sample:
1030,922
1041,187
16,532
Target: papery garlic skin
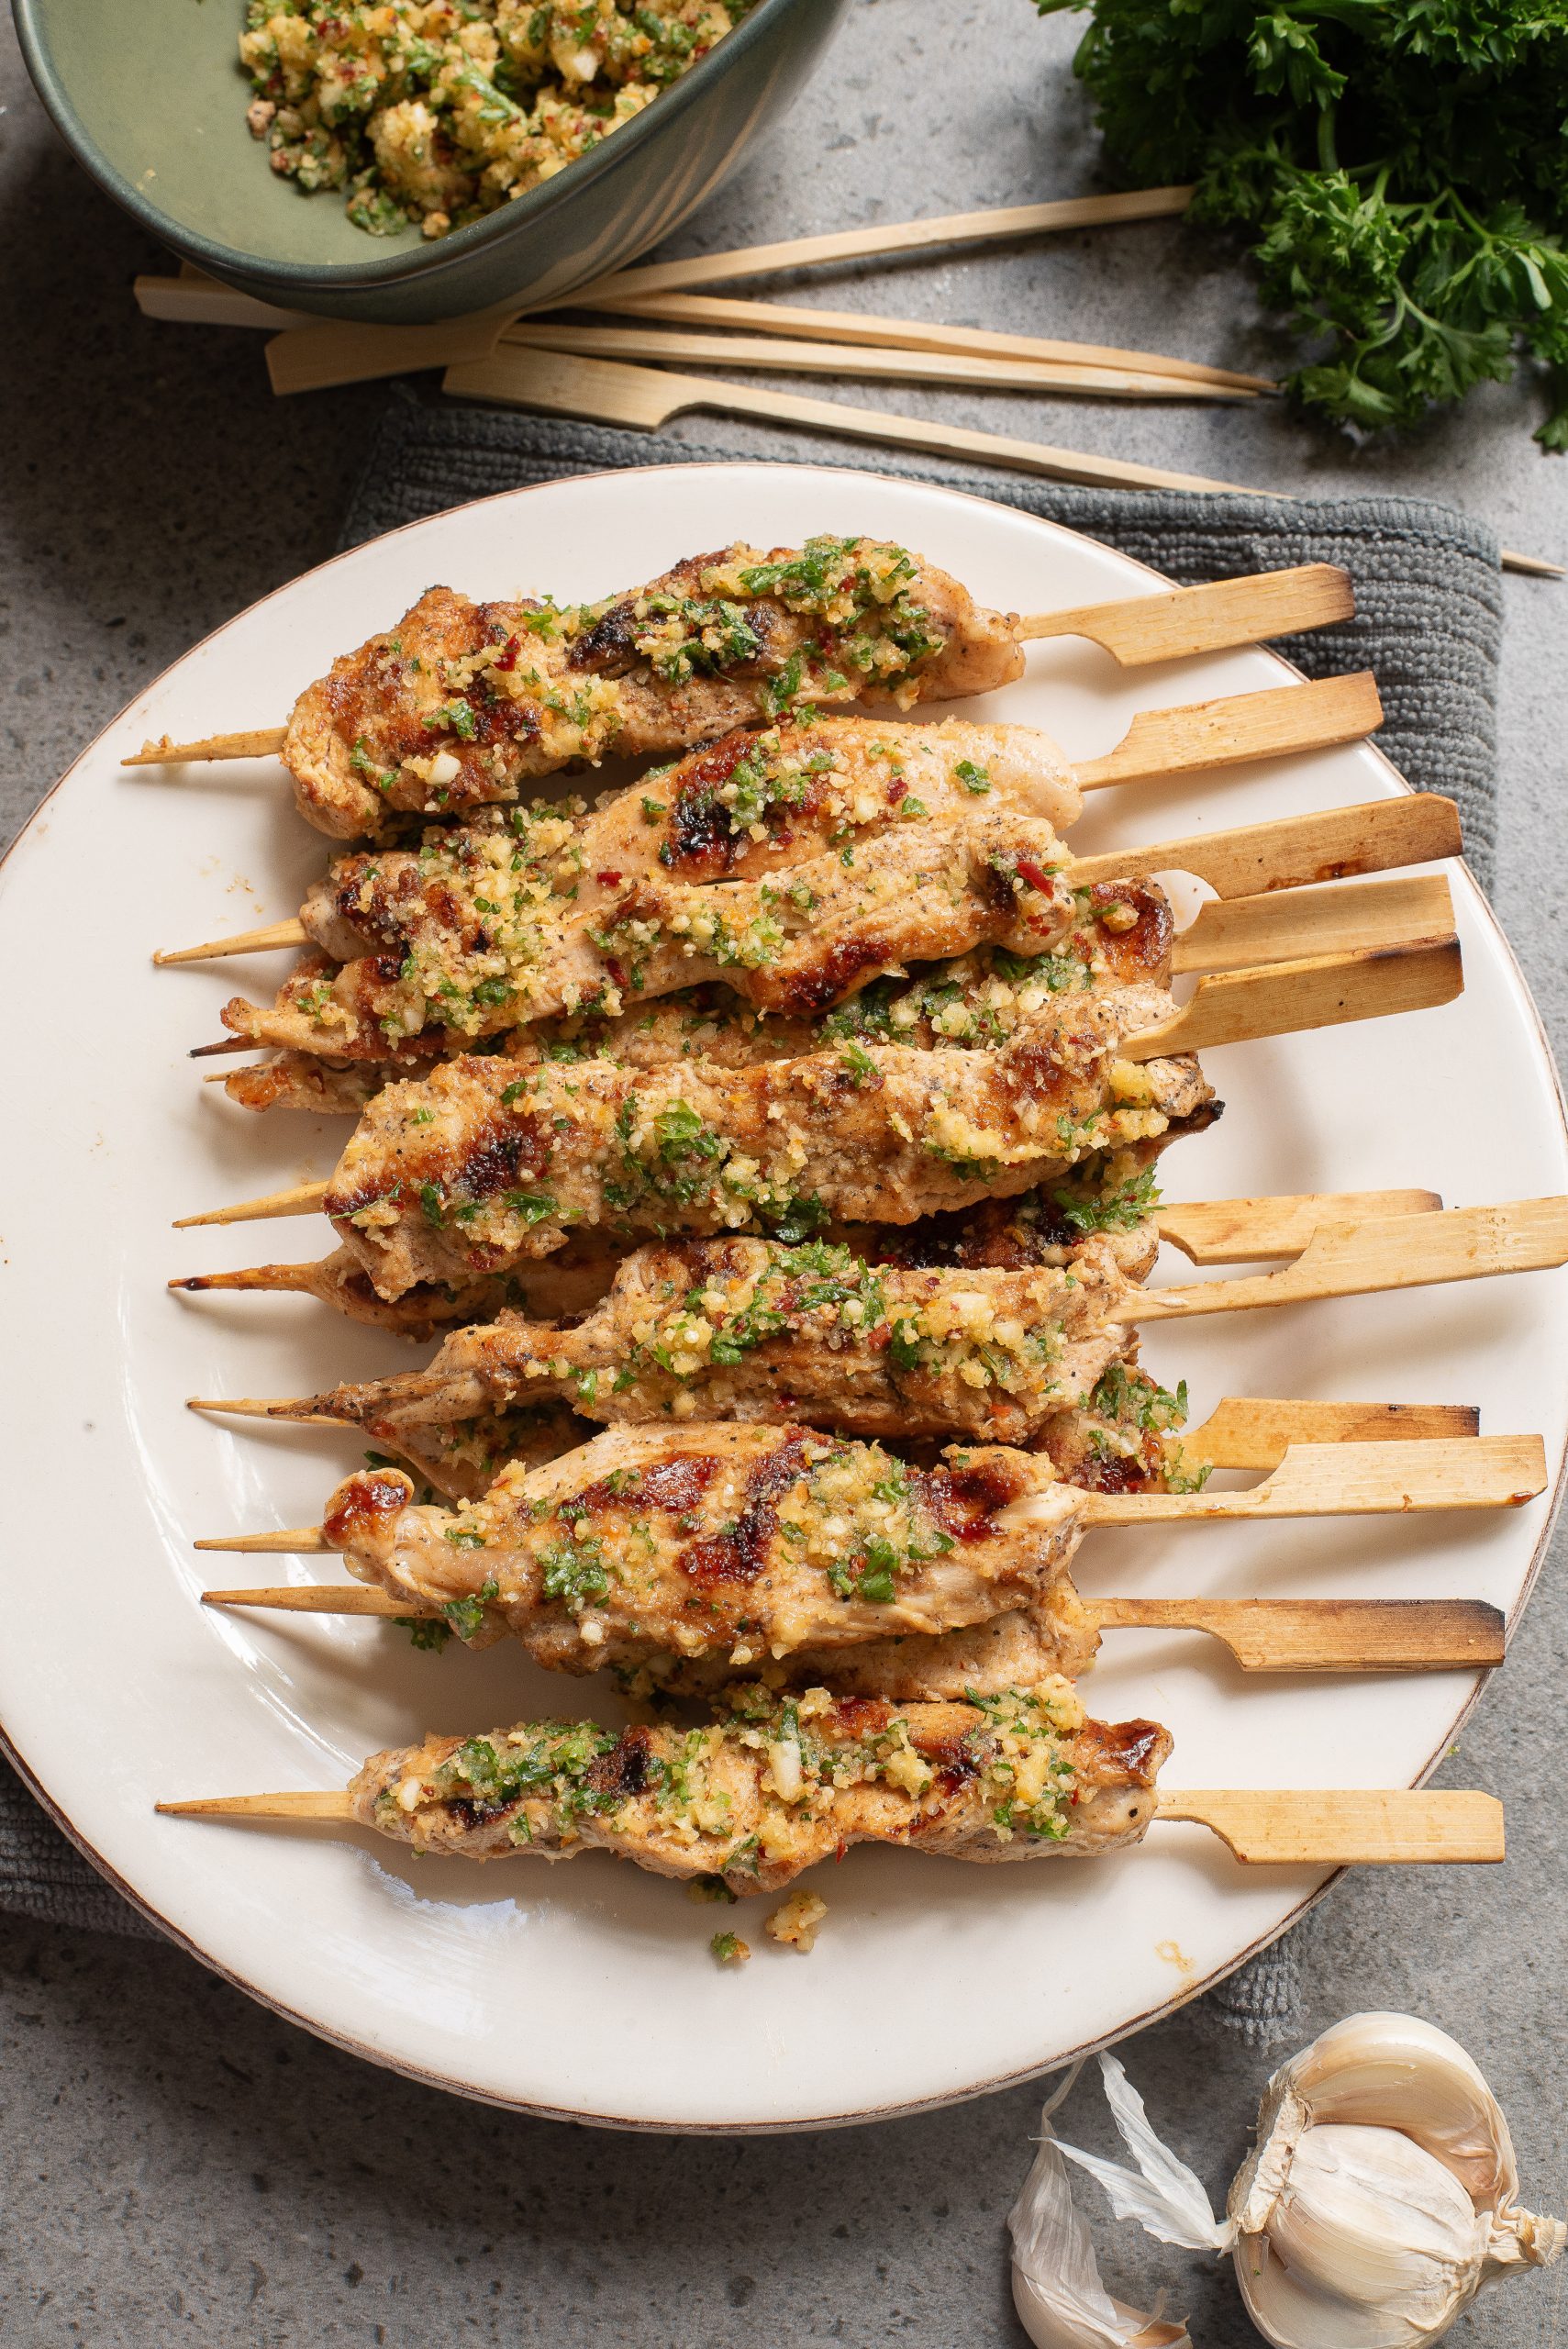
1381,2195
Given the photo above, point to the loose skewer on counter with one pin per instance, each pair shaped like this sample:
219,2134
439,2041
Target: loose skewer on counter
461,704
1023,1776
681,1559
753,1330
481,1166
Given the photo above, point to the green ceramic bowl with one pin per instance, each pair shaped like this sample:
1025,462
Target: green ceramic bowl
149,95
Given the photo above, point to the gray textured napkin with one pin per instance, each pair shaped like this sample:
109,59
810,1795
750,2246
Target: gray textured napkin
1428,621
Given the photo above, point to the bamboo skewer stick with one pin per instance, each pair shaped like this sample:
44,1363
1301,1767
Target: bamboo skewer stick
775,354
1204,737
1172,624
909,334
1248,931
1288,998
1216,1231
1241,1232
1312,1480
255,742
1373,1258
1236,1006
1250,1431
1261,1635
1353,1827
991,227
1326,1634
1254,861
1276,1826
311,358
612,392
195,299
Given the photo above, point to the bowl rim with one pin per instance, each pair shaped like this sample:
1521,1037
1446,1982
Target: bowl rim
433,259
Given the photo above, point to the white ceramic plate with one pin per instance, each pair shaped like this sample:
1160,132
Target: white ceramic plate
587,1990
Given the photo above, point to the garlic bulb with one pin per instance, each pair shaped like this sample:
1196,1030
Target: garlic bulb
1382,2192
1380,2198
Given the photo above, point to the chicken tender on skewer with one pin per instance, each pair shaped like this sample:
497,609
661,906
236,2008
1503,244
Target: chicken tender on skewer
1118,935
728,1544
770,1788
1106,1200
463,705
750,1329
680,1561
931,890
483,1166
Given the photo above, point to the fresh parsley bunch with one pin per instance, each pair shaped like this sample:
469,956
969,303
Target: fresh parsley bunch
1399,168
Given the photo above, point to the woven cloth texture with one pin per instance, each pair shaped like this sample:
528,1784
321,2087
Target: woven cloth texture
1428,623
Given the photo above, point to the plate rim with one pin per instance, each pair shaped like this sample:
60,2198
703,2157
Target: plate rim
403,2067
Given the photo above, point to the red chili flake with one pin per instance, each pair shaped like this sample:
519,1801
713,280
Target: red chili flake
839,1850
618,972
507,659
1035,875
608,880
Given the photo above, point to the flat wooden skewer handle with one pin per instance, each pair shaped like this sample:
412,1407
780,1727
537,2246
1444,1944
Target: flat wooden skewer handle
1289,998
1294,852
1326,1634
1277,1826
1239,933
1242,1231
1185,621
1246,1431
913,334
1204,736
1348,1827
1354,1480
1363,1259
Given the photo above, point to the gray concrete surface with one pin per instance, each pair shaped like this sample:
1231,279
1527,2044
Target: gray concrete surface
178,2164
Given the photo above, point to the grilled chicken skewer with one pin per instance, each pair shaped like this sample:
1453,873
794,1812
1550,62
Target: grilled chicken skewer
1334,1635
461,704
1121,938
751,1330
1037,1229
543,1797
458,940
767,1789
481,1166
681,1561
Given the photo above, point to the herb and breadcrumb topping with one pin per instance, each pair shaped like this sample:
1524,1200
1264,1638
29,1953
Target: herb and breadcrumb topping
775,1785
429,113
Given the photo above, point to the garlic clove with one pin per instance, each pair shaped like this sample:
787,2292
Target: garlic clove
1368,2217
1371,2065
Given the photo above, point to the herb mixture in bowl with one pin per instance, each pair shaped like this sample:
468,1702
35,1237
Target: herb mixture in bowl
432,113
